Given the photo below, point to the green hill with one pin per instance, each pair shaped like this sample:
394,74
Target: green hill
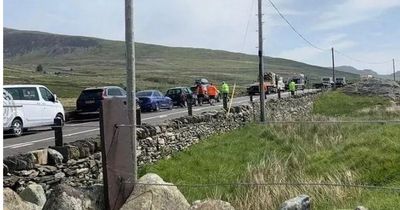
71,63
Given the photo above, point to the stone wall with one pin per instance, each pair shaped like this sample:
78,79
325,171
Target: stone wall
78,164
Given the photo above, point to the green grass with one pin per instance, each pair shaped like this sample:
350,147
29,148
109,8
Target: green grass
339,104
339,153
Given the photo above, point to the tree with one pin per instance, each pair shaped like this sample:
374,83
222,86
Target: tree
39,68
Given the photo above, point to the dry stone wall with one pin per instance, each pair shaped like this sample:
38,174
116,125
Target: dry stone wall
78,164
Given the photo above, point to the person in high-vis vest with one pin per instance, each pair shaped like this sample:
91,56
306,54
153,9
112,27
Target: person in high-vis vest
292,87
224,90
212,93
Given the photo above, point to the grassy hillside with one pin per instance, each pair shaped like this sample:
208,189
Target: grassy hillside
96,62
348,154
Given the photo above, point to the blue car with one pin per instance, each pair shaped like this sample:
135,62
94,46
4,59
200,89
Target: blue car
153,100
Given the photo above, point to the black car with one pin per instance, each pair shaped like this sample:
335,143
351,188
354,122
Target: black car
180,96
89,101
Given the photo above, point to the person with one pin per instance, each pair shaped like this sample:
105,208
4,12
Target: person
201,93
292,87
224,90
212,93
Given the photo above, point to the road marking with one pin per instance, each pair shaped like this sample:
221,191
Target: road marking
15,146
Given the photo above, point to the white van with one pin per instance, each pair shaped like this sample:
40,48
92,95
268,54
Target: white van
27,106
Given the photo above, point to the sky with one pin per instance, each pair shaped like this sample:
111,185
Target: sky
365,30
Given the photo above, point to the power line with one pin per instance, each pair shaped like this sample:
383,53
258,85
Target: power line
361,61
294,29
316,47
247,25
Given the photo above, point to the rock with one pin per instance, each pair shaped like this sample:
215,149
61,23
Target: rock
94,197
41,156
64,197
59,175
48,169
54,157
20,162
68,152
5,169
360,208
155,196
82,171
211,205
34,193
302,202
12,201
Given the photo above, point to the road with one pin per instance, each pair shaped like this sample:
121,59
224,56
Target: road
37,139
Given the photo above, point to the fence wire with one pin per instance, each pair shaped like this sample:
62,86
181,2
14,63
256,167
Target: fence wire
270,184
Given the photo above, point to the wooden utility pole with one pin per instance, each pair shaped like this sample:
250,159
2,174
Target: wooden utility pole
333,68
130,80
394,70
261,63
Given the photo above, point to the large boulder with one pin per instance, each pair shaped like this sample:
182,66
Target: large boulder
64,197
20,162
155,196
302,202
35,194
211,205
12,201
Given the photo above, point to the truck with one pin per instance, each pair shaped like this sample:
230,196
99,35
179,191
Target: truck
300,81
270,85
340,81
327,82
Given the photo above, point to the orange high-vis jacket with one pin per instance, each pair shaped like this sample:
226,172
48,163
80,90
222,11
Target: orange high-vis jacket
212,90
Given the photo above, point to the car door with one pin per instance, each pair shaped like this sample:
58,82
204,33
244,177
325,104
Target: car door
50,108
157,98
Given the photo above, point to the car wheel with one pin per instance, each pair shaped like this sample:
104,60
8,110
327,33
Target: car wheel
17,127
171,105
157,108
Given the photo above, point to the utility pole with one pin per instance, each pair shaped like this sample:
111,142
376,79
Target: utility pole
394,70
131,80
261,63
333,68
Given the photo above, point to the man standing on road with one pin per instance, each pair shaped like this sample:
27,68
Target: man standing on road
212,93
201,93
224,90
292,87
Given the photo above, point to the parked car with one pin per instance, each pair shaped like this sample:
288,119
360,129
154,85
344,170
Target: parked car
28,106
89,101
153,100
180,96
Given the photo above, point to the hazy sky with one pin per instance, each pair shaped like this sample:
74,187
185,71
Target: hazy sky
364,29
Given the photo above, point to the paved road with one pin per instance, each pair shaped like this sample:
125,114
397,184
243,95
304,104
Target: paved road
77,131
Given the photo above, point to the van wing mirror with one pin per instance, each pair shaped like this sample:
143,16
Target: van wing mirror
53,98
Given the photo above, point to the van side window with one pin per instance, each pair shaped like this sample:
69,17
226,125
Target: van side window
46,95
24,93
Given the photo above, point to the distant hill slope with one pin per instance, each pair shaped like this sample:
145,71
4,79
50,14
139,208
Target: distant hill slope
353,70
71,63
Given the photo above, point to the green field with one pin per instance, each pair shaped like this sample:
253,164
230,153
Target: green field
96,62
347,154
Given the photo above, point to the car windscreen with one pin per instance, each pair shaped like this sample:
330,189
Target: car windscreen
93,94
174,91
144,94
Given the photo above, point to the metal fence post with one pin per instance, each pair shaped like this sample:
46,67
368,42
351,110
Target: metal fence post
58,135
138,117
189,105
